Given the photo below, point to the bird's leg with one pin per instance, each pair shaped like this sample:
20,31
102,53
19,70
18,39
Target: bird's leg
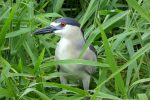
86,82
63,80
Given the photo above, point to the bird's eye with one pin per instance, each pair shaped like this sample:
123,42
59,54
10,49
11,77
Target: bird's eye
63,24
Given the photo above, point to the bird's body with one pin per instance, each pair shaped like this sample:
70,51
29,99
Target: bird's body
69,47
62,53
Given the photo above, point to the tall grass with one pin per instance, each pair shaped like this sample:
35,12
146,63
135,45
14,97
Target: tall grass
118,29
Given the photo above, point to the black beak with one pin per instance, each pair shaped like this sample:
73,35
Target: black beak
46,30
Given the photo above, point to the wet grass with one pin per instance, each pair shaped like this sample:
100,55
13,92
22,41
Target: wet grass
118,29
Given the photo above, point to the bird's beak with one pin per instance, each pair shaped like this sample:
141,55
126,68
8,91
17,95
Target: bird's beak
49,29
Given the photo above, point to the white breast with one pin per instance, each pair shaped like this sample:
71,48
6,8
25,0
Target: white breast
65,50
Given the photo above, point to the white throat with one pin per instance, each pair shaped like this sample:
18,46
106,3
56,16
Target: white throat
69,47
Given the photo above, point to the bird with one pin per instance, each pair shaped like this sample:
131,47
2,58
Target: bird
69,47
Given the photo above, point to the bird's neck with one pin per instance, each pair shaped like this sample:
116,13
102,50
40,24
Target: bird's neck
74,42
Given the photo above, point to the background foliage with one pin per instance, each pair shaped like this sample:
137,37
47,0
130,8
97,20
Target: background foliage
118,29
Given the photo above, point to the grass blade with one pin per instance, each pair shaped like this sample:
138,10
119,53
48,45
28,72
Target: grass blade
6,26
73,61
139,53
41,95
111,61
75,90
143,12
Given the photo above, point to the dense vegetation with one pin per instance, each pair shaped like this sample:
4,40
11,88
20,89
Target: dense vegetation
118,29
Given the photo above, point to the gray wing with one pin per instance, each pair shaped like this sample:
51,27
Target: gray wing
90,55
93,49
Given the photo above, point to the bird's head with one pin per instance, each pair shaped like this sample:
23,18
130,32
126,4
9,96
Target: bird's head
64,27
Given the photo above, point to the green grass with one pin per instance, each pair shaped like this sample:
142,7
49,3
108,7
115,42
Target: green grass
118,29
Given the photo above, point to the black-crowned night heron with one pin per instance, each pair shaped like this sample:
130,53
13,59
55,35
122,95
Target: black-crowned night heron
69,47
